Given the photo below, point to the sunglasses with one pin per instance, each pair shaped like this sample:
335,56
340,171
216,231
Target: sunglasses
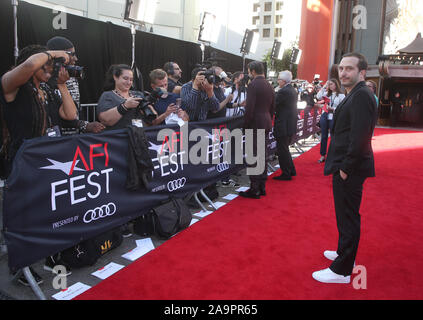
72,54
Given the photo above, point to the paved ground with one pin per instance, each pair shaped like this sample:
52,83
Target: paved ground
12,290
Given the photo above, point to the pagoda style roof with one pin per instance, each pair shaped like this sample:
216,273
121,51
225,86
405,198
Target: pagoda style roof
415,47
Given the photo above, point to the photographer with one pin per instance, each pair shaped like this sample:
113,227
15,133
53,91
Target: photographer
168,101
29,112
174,74
117,107
236,107
61,43
198,95
216,75
309,96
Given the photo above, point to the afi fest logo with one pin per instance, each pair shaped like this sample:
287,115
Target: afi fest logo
209,148
79,188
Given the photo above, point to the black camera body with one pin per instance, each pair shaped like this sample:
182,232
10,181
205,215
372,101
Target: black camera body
149,99
211,77
74,71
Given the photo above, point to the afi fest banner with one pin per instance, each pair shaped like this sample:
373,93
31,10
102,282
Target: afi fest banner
65,190
68,189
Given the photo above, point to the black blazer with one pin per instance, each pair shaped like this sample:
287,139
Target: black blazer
350,149
260,106
286,111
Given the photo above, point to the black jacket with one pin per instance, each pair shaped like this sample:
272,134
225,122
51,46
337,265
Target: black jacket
286,111
354,121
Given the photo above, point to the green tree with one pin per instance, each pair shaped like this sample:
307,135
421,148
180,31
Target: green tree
280,65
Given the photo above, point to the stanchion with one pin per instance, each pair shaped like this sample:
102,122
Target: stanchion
33,284
208,200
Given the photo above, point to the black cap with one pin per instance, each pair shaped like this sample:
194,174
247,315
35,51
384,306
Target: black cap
59,43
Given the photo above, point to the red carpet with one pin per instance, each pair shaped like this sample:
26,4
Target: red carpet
268,248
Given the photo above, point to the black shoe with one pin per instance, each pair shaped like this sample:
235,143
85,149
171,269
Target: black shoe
54,261
250,194
283,178
262,192
22,279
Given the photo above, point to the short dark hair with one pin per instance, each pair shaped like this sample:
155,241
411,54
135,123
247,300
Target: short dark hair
362,61
195,71
157,74
256,66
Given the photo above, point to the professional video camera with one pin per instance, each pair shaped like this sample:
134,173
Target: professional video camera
149,99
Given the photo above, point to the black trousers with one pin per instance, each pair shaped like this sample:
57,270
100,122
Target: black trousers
284,156
347,195
258,182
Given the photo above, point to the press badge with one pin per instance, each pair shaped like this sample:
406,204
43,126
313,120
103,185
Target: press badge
53,132
137,123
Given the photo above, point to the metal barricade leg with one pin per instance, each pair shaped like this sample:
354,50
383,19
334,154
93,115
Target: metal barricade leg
208,199
30,278
199,202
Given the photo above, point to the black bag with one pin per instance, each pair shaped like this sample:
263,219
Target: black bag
89,251
165,220
144,225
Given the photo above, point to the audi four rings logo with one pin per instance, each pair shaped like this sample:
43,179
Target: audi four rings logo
100,213
221,167
176,184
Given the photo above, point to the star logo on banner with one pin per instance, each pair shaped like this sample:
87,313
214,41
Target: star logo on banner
210,136
157,148
62,166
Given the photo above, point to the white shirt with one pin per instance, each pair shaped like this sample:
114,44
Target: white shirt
335,100
230,112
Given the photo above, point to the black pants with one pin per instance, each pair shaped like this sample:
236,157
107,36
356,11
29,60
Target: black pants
258,182
347,195
284,156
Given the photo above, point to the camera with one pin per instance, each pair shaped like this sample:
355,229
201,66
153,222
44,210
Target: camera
149,99
211,77
74,71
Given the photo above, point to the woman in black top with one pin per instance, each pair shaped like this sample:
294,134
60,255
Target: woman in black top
27,110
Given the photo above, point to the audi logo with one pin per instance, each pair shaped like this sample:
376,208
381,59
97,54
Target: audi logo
221,167
176,184
100,213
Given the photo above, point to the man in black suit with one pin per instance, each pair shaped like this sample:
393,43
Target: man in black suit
350,161
259,113
285,124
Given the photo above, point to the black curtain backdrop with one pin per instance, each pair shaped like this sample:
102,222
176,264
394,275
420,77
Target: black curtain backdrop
99,45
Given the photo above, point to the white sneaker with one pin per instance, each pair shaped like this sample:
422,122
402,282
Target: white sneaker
328,276
331,255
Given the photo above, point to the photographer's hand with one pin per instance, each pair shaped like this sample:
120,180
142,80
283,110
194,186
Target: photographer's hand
198,82
172,108
208,88
60,54
132,103
63,76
